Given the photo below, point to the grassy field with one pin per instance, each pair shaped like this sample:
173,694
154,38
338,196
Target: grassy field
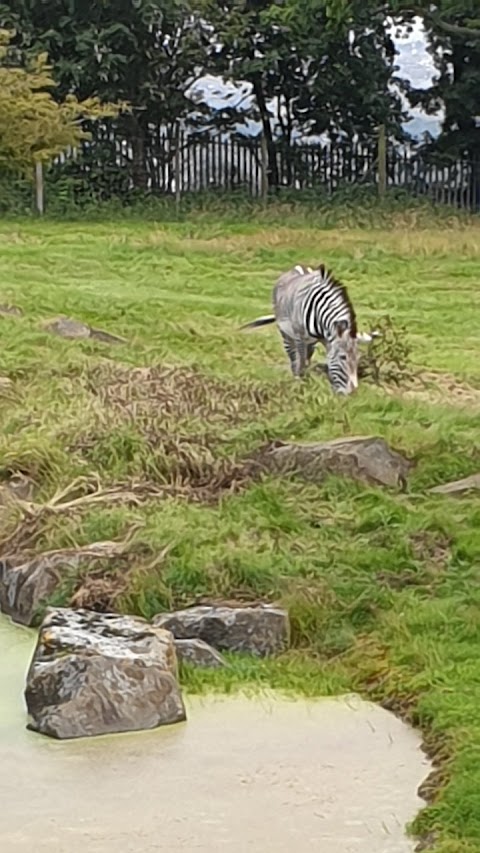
383,588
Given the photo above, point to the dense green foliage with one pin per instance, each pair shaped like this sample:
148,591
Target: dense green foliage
324,78
454,34
314,66
34,127
144,52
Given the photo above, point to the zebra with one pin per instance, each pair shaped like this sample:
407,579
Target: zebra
310,307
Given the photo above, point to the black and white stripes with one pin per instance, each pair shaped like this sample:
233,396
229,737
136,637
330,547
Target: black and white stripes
323,302
311,307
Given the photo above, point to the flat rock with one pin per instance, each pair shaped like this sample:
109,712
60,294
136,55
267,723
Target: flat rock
367,459
66,327
198,653
10,310
260,630
94,674
17,487
106,337
458,487
27,584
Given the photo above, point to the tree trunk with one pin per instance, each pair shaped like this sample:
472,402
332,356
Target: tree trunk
137,142
468,127
290,161
267,131
473,201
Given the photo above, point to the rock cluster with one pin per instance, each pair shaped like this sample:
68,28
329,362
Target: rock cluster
261,630
95,673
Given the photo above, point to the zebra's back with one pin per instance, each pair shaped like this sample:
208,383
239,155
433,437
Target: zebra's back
307,303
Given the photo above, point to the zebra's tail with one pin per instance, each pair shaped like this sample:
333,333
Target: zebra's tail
260,321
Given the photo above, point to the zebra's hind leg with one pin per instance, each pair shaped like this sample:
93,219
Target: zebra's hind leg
296,350
301,359
290,349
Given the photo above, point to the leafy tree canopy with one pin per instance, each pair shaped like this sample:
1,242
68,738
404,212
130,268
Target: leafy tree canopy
33,125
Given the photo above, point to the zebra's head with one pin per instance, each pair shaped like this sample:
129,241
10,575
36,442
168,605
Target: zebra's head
342,359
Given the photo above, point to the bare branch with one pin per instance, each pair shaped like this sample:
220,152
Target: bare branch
462,31
472,33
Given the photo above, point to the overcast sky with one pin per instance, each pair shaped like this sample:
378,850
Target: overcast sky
416,64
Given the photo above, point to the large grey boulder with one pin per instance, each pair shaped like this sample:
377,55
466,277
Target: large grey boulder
367,459
198,653
260,630
95,673
26,584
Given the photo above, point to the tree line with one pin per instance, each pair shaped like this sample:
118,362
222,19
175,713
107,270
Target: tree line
70,69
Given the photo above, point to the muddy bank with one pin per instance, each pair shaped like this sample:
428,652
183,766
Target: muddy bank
263,775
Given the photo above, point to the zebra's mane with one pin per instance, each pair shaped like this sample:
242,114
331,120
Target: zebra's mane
327,277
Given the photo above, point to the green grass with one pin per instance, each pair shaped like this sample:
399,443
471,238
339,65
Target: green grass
383,589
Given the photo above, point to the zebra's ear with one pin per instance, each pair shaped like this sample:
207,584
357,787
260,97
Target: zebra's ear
340,328
365,338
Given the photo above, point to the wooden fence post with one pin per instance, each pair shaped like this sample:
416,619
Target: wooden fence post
382,161
264,150
177,170
39,188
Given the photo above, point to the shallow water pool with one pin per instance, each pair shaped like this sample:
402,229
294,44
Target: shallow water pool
267,774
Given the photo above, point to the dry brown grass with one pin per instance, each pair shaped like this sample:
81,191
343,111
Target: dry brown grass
149,395
431,548
441,389
409,240
179,420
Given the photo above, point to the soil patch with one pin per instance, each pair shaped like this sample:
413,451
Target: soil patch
431,547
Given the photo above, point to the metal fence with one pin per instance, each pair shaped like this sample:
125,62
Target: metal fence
180,164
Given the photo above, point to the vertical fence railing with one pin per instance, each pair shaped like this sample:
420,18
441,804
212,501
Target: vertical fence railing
178,164
382,164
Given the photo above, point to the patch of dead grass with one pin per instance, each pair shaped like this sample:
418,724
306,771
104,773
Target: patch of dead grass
441,389
100,592
432,550
431,547
402,240
175,394
181,417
